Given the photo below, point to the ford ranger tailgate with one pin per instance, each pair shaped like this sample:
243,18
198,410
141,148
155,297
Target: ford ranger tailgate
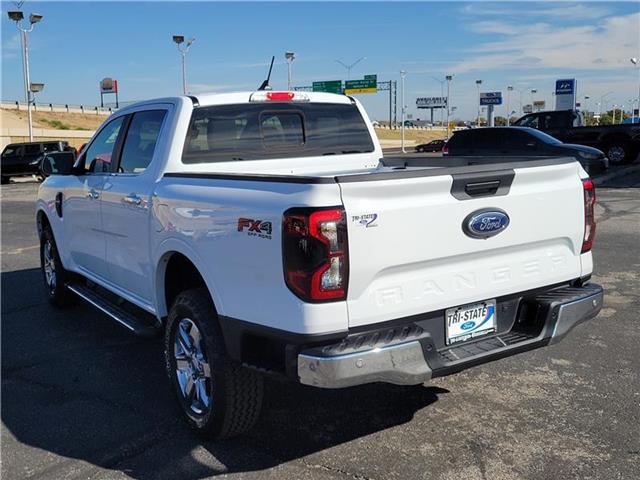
417,244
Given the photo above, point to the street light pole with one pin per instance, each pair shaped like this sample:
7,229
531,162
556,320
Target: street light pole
290,57
349,67
509,90
18,16
636,62
441,82
403,74
179,39
478,83
448,78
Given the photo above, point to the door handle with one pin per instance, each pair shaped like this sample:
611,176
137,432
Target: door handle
93,194
132,199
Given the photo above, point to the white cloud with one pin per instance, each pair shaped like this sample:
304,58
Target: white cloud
11,47
602,46
560,10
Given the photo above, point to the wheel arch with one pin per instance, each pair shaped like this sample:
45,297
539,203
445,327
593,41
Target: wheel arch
177,269
42,221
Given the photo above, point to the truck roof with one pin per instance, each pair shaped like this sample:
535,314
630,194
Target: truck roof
209,99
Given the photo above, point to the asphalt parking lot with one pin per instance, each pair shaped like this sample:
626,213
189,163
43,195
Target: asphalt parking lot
82,398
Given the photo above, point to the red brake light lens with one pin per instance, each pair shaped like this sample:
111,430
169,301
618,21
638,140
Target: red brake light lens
445,149
589,215
280,96
315,253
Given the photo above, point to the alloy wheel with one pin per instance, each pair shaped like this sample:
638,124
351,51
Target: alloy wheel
193,372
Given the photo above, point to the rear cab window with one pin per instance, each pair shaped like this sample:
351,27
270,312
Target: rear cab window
275,130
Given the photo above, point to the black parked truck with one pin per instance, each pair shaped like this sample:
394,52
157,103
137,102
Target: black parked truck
20,159
621,143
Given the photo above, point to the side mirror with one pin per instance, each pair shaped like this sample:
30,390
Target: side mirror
58,163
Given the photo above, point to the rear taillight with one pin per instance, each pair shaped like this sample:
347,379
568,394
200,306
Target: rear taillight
315,253
589,217
445,149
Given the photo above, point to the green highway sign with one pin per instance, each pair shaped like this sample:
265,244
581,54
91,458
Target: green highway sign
331,86
369,84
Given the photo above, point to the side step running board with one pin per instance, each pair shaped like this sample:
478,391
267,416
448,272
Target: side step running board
116,312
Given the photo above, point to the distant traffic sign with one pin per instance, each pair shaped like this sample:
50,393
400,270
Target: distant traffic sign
331,86
491,98
431,102
369,84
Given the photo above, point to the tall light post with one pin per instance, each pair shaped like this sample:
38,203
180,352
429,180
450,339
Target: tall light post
613,120
448,78
290,57
478,83
441,82
636,62
350,66
403,74
17,16
533,91
509,90
179,39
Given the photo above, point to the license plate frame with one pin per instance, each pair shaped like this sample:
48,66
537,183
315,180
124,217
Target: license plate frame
478,319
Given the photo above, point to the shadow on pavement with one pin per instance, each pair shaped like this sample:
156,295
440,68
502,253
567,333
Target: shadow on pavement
77,385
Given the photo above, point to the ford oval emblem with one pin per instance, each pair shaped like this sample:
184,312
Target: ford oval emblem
485,223
468,325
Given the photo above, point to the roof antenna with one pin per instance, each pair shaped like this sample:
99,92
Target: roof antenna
265,84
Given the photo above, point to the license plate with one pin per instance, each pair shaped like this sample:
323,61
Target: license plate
470,321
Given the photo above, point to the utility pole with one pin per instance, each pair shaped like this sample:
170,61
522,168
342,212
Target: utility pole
403,74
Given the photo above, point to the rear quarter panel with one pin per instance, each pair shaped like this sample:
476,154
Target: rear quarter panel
198,217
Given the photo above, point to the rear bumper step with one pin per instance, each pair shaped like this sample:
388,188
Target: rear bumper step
409,355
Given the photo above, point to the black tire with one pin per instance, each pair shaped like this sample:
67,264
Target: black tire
619,152
234,392
58,294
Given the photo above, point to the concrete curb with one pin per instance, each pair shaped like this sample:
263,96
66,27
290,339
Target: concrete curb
600,179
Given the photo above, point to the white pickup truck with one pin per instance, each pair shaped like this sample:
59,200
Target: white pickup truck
264,233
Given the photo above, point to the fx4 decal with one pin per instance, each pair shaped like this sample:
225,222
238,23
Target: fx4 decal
255,228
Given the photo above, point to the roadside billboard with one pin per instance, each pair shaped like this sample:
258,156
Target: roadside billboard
431,102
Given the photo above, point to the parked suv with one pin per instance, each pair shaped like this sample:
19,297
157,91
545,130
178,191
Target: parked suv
522,141
19,159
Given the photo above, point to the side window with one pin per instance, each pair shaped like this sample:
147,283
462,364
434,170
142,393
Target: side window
50,147
531,121
98,155
140,141
33,149
485,139
515,140
11,151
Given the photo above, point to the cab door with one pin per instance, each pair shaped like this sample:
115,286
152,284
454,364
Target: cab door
126,204
84,242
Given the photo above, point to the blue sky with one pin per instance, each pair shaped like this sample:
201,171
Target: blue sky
525,44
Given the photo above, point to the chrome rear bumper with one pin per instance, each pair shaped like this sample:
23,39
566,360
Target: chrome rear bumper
411,357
